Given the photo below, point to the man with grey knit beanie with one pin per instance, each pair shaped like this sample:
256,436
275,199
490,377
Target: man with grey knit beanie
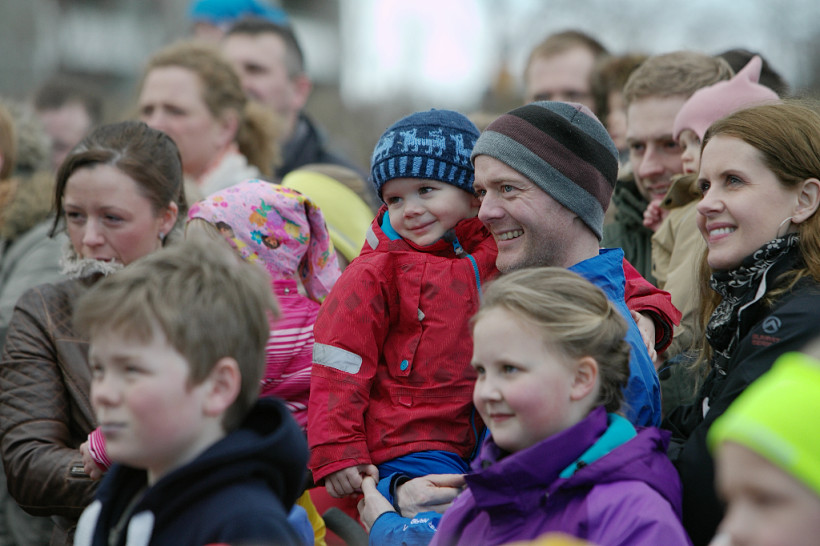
545,173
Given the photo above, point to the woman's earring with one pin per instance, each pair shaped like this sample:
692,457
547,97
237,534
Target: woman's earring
162,237
786,221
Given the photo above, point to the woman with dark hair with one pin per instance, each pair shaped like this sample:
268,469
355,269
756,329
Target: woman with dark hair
760,286
118,195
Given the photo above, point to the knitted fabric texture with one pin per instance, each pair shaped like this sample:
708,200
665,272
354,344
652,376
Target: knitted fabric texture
563,149
433,145
709,104
774,417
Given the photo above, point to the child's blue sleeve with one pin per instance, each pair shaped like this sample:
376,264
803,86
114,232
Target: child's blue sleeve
298,520
390,529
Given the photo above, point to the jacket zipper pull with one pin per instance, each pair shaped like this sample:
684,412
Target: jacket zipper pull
459,250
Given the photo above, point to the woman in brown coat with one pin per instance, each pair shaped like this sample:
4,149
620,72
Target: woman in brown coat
118,195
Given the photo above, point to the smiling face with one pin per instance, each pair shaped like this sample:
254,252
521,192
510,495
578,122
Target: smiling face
530,227
653,153
744,204
171,101
150,415
524,388
765,505
108,218
422,211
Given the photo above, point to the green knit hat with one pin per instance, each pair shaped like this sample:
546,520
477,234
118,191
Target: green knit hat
775,418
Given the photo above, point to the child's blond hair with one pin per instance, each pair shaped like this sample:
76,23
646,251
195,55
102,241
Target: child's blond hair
575,318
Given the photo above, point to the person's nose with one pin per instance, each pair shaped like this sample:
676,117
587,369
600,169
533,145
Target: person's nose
486,390
651,164
156,119
92,236
687,158
709,204
104,391
735,529
413,208
490,209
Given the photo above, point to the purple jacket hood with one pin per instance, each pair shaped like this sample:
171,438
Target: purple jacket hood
609,498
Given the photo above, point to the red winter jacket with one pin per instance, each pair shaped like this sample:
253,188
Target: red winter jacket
391,364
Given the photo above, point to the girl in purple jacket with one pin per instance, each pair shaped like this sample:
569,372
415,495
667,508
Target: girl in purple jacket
551,361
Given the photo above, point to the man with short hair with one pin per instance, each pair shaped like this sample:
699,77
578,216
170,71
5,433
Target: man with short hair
559,68
270,64
654,93
69,109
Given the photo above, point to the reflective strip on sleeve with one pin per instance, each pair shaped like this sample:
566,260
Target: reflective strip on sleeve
334,357
371,238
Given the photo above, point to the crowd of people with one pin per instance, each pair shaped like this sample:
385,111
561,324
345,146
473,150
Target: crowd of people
591,318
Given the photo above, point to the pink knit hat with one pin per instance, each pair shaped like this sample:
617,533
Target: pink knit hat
711,103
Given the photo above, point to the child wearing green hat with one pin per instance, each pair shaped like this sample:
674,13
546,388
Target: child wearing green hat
767,458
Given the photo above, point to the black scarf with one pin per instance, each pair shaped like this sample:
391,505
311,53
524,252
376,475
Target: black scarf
742,287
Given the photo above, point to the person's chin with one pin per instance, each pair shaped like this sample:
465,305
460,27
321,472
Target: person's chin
508,260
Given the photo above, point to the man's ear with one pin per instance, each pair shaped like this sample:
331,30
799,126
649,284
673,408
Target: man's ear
585,379
224,381
302,86
807,200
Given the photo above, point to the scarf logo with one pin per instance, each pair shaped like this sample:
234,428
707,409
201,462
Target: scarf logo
771,325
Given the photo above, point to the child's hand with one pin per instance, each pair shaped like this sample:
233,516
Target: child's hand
654,215
647,328
373,504
349,480
90,466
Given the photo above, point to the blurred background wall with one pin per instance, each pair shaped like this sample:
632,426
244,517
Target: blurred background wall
373,61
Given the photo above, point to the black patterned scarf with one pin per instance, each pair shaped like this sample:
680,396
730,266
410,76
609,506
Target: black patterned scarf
742,287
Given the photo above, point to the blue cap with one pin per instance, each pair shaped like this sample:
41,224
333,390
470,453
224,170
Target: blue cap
227,12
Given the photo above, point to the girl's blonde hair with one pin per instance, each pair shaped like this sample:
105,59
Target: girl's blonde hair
575,318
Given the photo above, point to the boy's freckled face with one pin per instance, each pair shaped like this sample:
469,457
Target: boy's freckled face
765,505
422,211
149,414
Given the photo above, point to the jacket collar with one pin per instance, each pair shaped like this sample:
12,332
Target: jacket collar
381,237
606,271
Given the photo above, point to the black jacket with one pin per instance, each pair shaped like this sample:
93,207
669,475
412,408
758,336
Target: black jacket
308,145
238,491
765,334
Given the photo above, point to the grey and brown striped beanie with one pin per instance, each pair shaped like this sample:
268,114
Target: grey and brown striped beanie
563,149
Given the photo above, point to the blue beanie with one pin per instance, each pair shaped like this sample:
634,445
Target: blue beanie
434,145
227,12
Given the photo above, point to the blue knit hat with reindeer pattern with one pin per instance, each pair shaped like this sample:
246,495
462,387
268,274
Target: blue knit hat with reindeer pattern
434,145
